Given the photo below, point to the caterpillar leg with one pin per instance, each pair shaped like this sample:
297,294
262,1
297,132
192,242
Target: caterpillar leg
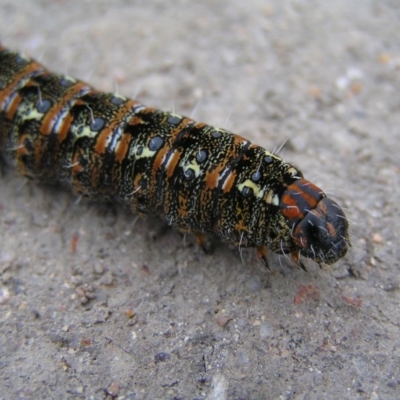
296,259
203,242
262,253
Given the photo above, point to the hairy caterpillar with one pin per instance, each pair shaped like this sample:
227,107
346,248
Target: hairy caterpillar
196,177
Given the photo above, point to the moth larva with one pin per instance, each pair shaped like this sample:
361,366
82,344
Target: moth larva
198,178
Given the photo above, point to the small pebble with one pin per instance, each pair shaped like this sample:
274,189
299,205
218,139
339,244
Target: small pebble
129,313
162,357
266,330
221,318
113,389
377,238
243,357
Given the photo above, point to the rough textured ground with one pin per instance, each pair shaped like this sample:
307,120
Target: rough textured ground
92,306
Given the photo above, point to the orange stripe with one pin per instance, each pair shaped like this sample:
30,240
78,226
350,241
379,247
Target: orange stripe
212,177
6,92
159,158
229,181
122,147
52,114
102,138
66,124
291,210
173,163
13,107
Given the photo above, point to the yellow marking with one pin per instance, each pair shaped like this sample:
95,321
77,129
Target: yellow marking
257,190
270,194
171,114
269,154
119,96
69,78
272,198
146,152
195,167
292,171
27,112
25,57
86,131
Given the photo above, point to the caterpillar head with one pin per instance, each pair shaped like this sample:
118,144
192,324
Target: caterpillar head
318,225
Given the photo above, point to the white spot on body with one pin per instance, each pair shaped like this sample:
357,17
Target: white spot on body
115,140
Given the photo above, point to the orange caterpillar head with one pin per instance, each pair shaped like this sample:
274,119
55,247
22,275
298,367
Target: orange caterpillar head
318,225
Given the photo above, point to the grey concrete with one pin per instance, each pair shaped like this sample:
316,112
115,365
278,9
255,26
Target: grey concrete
94,306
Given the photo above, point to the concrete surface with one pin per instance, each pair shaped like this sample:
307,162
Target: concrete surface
93,306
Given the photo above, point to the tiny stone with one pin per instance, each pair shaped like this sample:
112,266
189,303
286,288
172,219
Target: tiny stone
266,330
162,357
113,389
243,357
4,295
221,318
107,278
377,238
129,313
98,268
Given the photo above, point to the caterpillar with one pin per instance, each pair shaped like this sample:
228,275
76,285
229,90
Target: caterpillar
196,177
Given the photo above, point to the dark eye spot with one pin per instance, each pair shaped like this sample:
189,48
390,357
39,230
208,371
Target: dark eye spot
43,106
116,100
155,143
256,176
97,124
247,191
216,134
268,159
65,82
201,156
174,120
139,150
20,60
189,174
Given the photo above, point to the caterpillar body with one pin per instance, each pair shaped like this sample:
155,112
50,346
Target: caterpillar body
199,178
